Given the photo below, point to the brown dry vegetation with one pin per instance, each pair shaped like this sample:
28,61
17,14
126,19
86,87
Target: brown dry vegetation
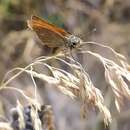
96,81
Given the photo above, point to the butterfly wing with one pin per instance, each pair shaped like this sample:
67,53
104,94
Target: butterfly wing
48,33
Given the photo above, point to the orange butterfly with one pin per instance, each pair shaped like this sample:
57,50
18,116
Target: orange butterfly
51,35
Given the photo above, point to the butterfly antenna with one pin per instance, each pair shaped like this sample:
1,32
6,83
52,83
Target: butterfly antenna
92,31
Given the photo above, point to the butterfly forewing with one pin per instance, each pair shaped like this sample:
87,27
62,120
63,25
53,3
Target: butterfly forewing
49,34
49,25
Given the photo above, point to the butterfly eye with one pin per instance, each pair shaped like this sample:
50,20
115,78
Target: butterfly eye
74,43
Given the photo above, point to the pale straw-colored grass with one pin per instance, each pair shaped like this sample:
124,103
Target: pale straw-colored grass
77,83
5,126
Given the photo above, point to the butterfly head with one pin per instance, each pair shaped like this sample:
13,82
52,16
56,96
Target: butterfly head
73,41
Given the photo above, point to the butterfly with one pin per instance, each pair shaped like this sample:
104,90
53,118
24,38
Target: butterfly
51,35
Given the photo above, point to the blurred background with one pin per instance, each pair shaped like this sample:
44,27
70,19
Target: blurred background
19,46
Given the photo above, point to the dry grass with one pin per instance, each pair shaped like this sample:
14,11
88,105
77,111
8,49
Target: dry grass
75,83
